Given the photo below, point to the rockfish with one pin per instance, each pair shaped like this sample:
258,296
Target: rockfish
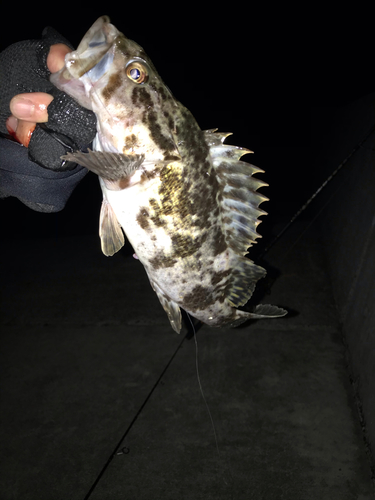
187,203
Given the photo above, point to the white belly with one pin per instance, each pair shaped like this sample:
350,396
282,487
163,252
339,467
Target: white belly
127,205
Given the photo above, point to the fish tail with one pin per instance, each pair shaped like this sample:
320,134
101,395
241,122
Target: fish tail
262,311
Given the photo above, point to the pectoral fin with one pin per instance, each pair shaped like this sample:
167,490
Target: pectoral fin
110,232
111,166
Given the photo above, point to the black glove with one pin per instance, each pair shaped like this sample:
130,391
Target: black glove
46,188
23,68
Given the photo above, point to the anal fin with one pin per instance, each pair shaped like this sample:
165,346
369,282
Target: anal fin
110,232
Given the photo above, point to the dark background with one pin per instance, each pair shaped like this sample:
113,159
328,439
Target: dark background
84,337
266,74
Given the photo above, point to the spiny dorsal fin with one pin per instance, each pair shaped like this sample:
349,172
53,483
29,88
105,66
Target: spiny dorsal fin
241,200
240,214
214,138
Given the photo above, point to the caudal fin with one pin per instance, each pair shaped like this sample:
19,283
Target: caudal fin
262,311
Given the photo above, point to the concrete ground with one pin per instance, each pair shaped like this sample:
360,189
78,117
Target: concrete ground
100,398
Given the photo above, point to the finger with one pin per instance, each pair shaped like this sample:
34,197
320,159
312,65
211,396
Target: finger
20,130
31,107
56,56
24,132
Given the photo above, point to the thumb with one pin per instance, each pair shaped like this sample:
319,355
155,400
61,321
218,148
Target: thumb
31,107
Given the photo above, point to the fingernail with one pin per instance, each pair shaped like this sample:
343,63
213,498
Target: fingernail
22,108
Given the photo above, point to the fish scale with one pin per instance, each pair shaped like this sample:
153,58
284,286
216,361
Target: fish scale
185,200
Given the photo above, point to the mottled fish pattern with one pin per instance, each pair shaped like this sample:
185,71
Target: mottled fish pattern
187,203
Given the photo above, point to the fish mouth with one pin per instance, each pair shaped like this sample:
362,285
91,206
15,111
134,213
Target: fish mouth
93,56
96,43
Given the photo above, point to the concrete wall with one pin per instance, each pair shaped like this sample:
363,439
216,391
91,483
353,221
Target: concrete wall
348,230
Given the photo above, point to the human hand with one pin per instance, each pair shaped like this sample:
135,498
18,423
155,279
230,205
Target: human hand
25,69
31,108
43,118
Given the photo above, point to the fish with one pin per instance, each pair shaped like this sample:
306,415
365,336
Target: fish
185,200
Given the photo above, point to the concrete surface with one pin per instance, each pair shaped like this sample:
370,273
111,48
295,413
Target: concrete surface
348,231
84,342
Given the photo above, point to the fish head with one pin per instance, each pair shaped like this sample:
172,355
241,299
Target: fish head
113,76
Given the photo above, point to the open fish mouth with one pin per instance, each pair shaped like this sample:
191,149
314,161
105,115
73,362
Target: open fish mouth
94,46
93,58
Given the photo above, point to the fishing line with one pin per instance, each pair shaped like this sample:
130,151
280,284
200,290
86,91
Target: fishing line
200,384
312,198
126,450
225,465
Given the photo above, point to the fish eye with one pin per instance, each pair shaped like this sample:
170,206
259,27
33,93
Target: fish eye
136,72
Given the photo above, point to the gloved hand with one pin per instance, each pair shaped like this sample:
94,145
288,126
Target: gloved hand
23,68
